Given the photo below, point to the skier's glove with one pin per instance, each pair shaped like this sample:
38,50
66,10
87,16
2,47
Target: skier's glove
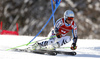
73,46
58,35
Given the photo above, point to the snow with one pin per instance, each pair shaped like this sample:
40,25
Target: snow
87,48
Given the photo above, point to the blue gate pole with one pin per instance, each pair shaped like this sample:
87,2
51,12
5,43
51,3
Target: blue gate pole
56,3
52,12
46,23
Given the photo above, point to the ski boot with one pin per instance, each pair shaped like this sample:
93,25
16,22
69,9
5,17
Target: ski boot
34,47
53,46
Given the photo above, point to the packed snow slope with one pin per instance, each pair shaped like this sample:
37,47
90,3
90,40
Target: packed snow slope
86,48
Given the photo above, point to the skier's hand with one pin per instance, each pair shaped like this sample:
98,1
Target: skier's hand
58,35
73,46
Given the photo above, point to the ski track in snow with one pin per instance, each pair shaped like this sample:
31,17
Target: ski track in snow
89,49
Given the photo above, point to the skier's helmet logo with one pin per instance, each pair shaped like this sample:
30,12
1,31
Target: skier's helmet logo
68,13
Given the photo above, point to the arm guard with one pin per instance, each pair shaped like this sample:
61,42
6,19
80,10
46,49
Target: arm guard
57,25
75,39
56,30
74,32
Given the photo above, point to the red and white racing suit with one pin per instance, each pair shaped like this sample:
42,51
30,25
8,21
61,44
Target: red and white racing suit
62,27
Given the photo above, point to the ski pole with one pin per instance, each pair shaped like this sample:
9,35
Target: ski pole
46,23
30,43
64,47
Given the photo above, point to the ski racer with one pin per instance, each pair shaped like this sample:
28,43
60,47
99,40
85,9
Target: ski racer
61,28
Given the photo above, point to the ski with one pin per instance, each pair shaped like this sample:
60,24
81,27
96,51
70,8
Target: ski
54,52
49,52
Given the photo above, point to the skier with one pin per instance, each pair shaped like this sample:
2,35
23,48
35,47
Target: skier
61,28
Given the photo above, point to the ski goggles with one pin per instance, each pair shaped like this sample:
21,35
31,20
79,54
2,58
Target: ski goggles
70,18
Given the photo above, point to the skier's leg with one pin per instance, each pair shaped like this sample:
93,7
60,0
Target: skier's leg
62,41
45,43
53,43
49,42
57,42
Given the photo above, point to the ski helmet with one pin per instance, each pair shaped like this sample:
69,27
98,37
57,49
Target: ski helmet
68,13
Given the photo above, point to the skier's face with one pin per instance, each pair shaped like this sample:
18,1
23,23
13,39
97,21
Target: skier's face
69,19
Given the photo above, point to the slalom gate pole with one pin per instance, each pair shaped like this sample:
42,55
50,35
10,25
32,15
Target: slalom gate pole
46,22
30,43
52,11
57,3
